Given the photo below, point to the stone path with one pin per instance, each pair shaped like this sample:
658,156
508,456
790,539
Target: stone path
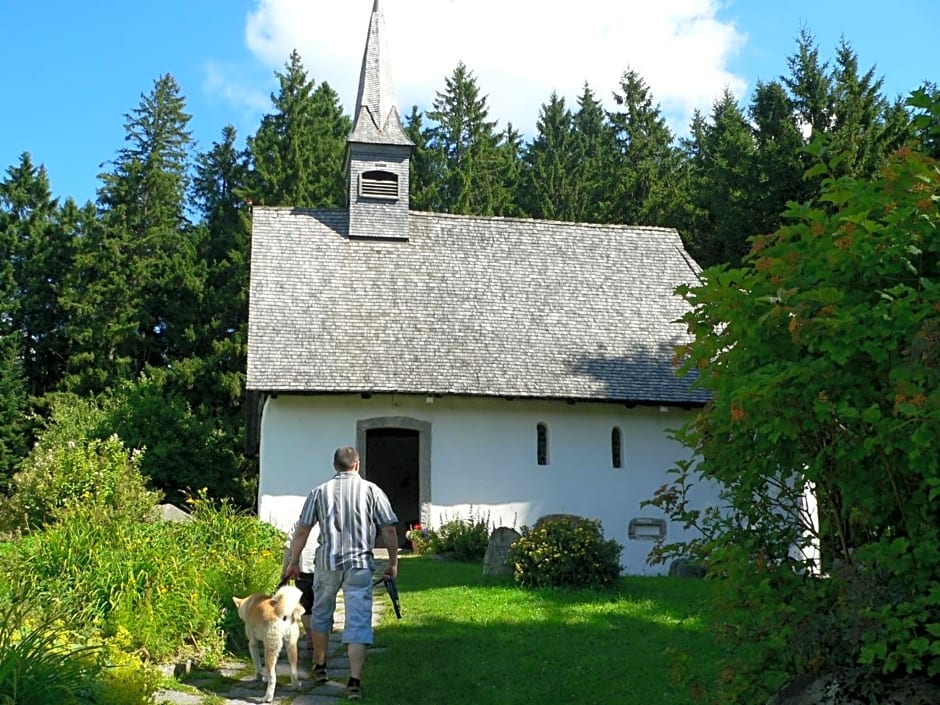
234,683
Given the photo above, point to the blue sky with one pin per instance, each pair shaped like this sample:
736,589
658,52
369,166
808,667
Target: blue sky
73,70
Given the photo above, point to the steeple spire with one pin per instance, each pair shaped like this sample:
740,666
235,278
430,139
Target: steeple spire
378,149
377,120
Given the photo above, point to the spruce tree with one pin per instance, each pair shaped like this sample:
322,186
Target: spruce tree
647,161
594,154
40,241
548,188
297,153
426,165
472,179
134,300
219,187
725,168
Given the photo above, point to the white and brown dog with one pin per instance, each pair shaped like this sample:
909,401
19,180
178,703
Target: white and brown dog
273,620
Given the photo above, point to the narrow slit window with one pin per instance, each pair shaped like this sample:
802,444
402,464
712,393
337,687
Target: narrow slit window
616,448
541,444
378,184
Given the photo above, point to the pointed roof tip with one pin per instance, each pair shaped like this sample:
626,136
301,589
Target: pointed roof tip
376,118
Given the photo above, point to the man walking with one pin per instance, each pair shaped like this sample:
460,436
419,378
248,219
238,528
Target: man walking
349,511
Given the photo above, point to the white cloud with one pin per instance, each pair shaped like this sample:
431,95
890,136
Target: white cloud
519,50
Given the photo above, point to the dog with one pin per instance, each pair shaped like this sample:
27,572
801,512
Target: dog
273,620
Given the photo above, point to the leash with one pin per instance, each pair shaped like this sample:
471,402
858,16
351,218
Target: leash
392,589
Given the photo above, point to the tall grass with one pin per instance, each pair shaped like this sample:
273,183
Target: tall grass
464,638
36,668
141,593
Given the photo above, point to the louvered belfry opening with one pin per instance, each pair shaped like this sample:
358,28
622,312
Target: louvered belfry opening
378,184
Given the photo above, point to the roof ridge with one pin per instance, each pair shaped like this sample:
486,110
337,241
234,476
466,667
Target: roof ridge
546,221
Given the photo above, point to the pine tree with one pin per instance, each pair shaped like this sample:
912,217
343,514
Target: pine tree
137,286
548,188
647,161
472,180
297,154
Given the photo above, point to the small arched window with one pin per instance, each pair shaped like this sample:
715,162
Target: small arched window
616,447
378,184
541,443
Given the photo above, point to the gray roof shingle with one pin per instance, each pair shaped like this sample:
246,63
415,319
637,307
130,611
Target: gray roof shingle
468,305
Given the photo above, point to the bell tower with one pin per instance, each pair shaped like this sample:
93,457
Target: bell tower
378,149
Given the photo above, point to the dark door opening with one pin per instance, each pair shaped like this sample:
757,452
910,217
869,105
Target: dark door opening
392,463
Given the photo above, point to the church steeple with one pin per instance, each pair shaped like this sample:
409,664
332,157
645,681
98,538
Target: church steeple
377,119
379,149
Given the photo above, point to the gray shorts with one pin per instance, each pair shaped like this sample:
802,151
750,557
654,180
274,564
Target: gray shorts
357,597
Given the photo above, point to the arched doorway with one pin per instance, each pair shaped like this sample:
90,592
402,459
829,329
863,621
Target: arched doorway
395,454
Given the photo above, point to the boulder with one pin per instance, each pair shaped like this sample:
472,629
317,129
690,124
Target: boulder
684,568
497,552
170,512
840,689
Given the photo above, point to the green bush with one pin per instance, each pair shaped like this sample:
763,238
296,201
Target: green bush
821,355
53,479
463,539
565,551
161,591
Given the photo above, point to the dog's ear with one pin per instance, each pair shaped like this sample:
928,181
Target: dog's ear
238,601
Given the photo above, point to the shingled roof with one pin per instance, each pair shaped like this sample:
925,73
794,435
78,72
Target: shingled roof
478,306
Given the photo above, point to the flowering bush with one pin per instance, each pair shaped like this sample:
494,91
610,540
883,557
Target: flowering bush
463,539
565,551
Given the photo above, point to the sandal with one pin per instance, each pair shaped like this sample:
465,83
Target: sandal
354,692
319,673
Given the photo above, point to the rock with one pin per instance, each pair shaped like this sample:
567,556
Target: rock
170,512
839,689
497,552
684,568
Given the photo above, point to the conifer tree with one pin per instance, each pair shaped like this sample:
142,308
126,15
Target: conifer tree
724,168
595,151
548,188
41,237
219,188
472,180
134,299
647,160
297,154
426,165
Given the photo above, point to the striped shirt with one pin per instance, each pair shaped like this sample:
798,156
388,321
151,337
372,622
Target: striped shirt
349,511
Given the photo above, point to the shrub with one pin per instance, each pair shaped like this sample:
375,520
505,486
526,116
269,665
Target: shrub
821,355
565,551
89,472
463,539
71,465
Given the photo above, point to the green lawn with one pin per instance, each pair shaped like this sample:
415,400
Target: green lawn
464,639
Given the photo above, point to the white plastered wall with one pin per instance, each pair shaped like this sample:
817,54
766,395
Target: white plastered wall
483,459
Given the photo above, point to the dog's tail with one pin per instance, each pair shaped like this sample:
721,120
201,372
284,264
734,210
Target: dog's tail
285,601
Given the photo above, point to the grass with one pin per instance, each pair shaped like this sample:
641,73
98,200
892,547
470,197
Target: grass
464,638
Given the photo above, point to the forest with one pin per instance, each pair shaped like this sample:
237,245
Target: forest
129,314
